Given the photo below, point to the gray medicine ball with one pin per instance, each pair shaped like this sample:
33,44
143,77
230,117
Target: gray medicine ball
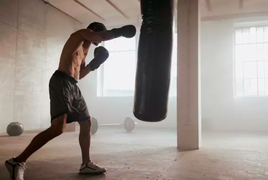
15,129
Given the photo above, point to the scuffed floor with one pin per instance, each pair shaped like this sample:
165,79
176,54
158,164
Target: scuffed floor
145,154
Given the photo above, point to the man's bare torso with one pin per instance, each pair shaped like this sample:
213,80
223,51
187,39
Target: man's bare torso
73,55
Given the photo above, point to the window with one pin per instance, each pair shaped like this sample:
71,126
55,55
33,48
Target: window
118,73
251,61
117,76
173,79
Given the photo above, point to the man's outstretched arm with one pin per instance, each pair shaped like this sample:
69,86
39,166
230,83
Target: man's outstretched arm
127,31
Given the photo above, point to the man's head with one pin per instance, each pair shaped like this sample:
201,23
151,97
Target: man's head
96,27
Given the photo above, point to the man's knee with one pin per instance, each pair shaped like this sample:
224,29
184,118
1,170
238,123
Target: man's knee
58,125
85,125
89,122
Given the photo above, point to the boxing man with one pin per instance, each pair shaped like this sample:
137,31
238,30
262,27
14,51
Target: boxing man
66,101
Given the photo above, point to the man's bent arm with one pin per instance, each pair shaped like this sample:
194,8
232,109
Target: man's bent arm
86,46
85,69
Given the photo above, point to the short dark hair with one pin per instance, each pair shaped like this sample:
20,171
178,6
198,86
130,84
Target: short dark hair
96,26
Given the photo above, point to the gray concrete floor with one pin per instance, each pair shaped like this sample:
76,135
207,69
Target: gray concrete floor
145,154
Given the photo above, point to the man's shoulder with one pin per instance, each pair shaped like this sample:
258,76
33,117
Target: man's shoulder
82,33
79,31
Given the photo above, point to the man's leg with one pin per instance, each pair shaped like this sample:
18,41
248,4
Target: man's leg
84,121
85,140
87,166
16,166
57,128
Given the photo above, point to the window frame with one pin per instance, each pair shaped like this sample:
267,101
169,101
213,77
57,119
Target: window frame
241,26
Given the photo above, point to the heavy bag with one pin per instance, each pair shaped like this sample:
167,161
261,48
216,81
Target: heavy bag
154,61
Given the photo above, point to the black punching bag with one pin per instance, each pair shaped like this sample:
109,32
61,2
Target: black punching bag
154,60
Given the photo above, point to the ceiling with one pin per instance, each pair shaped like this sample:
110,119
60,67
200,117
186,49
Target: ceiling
118,12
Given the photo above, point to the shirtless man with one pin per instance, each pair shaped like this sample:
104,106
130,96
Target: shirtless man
66,101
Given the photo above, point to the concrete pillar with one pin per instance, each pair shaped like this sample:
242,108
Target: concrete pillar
188,95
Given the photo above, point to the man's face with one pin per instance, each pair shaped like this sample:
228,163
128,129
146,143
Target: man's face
95,43
97,27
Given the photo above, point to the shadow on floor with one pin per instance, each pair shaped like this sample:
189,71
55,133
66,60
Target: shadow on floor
47,170
4,136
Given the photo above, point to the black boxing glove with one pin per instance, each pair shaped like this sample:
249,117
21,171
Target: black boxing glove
100,56
127,31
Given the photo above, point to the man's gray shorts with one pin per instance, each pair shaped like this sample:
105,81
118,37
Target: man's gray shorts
66,98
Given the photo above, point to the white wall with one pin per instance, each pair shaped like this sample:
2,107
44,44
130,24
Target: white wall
220,110
32,35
